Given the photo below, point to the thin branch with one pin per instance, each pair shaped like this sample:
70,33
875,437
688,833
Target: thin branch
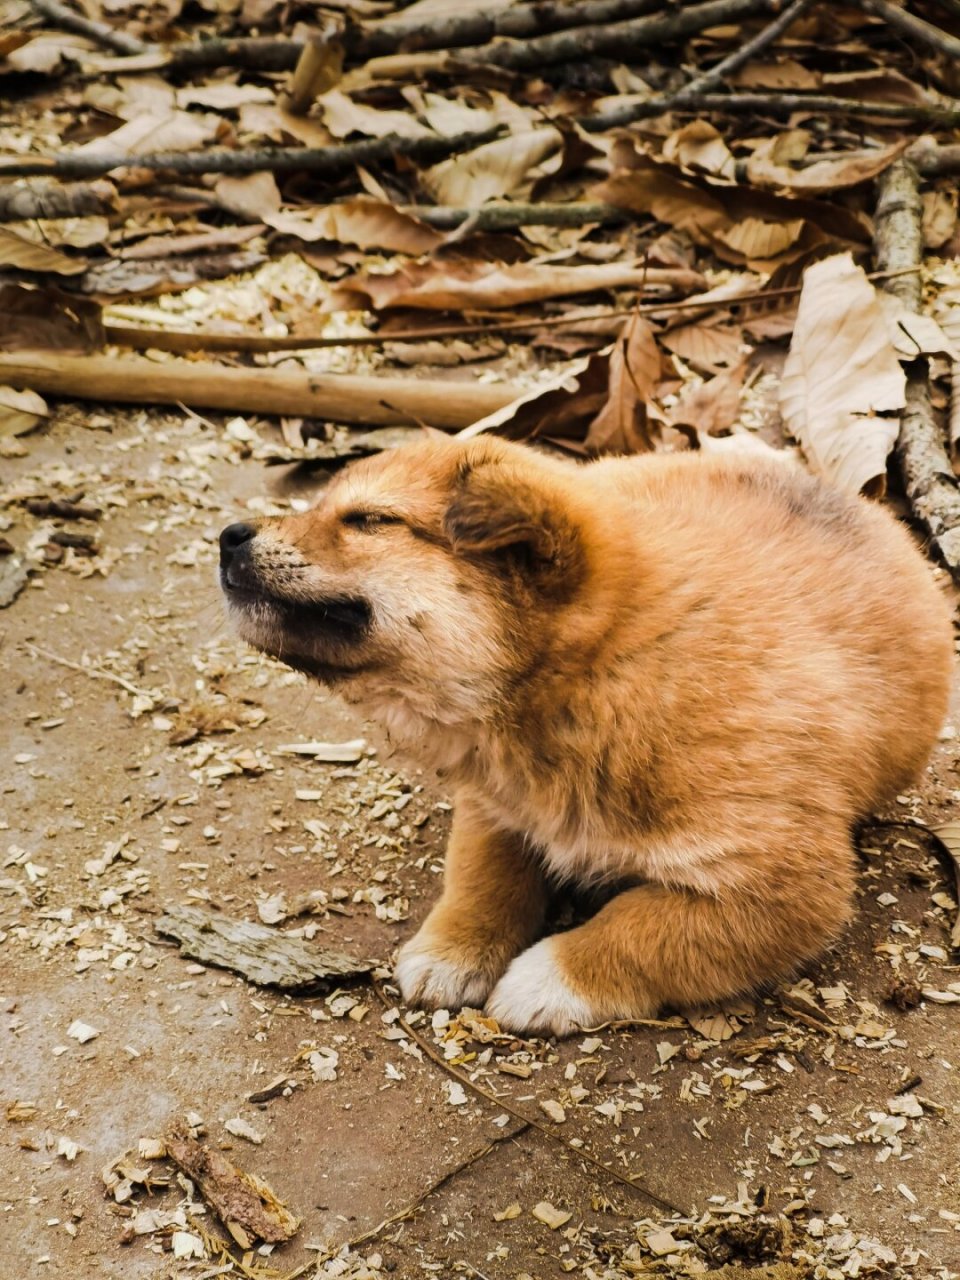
932,488
516,22
69,20
502,1104
144,339
95,673
779,104
914,28
327,162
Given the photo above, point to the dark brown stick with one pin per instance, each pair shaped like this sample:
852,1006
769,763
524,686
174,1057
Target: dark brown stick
255,53
518,22
931,486
51,200
616,39
325,161
782,104
914,28
507,216
143,339
69,20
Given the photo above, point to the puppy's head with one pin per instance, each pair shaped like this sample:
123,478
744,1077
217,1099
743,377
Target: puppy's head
427,574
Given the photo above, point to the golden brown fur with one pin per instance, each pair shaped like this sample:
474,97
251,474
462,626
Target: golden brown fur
687,675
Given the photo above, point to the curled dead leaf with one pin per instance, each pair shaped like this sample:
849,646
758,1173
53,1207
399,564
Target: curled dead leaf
29,255
369,223
766,169
623,424
20,411
507,166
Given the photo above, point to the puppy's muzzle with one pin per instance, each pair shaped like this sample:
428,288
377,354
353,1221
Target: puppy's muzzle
237,572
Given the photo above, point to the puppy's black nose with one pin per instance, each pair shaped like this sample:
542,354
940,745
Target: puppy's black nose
233,537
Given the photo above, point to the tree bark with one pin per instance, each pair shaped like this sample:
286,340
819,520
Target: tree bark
932,488
914,28
51,200
100,32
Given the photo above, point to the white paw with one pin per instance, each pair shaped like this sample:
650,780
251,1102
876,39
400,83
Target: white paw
533,996
427,978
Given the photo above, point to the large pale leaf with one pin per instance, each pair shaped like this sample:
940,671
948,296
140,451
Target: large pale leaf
841,374
496,169
371,224
766,169
343,116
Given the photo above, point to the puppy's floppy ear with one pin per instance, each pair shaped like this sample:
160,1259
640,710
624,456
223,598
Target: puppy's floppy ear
501,509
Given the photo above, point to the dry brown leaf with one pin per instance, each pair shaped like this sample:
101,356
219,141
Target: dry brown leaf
78,232
252,195
879,84
700,147
177,131
505,167
559,409
368,223
622,425
939,216
20,411
223,97
45,52
708,345
451,286
343,116
27,255
842,373
165,246
46,318
758,241
277,125
668,198
712,407
786,74
766,169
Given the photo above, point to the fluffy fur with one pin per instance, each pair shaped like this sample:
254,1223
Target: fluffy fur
683,676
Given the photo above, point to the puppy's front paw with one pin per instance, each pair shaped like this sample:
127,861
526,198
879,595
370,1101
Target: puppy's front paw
432,973
533,996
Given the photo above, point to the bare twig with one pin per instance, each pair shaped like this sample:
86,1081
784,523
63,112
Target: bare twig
255,343
931,486
69,20
914,28
324,161
781,104
502,1104
95,673
711,79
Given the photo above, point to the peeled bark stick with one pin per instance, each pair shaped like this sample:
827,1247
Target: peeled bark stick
318,69
326,161
338,397
69,20
506,216
932,488
52,200
776,104
914,28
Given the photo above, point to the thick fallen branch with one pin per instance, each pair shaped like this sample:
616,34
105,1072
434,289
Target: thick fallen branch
507,216
448,30
328,162
931,486
777,104
69,20
50,200
914,28
362,401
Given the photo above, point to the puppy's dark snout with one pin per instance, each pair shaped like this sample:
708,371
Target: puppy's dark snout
233,537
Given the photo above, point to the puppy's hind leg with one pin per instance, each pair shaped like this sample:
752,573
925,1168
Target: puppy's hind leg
653,946
492,907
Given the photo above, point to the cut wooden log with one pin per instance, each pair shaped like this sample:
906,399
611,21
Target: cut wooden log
261,954
336,397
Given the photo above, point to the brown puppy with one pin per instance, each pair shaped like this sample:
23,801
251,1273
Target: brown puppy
683,675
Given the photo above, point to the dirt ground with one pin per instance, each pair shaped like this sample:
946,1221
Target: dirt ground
824,1128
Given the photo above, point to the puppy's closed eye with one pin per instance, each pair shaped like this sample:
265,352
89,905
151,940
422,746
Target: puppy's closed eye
370,521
